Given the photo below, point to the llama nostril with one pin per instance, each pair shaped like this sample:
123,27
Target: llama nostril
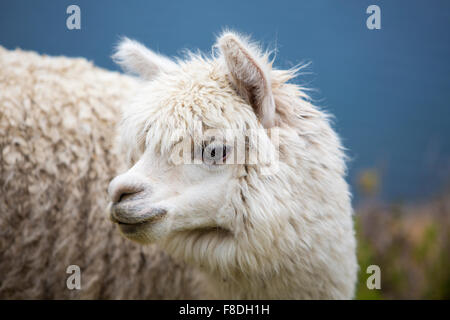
124,192
123,187
125,195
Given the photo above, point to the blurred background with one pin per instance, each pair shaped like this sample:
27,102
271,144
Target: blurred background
388,89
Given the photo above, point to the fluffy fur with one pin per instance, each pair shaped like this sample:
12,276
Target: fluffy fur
57,118
284,235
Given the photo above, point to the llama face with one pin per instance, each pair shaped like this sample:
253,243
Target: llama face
156,199
179,179
188,135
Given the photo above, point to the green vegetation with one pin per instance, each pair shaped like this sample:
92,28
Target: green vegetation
410,244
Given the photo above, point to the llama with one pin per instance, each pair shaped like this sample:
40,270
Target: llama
57,119
284,235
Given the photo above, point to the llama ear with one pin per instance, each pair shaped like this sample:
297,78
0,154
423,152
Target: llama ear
135,58
250,72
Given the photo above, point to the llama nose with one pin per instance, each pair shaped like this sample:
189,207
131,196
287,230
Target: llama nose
123,186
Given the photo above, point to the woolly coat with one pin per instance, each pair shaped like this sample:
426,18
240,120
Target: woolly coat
57,118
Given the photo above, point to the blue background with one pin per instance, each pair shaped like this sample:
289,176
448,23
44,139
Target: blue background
389,89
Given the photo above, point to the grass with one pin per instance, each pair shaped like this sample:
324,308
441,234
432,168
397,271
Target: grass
410,244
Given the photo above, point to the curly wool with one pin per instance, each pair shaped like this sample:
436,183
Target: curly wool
57,116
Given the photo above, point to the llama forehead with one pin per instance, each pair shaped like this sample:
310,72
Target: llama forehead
197,98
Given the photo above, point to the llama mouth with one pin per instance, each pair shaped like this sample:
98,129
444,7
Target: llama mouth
129,224
130,218
130,229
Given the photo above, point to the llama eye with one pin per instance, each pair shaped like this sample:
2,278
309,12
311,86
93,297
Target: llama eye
214,154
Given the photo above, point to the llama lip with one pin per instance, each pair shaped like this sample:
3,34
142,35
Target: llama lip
131,228
130,216
127,224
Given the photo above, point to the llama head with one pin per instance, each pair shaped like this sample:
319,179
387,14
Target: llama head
188,135
230,168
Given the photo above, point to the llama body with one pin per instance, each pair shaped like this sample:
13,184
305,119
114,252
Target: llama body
57,118
285,235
